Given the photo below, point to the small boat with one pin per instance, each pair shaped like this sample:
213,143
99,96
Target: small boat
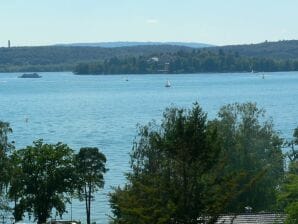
263,76
168,84
30,75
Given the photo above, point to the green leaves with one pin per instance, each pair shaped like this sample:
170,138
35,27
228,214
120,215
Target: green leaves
288,192
43,179
253,149
90,165
172,171
5,172
187,167
288,197
5,146
90,168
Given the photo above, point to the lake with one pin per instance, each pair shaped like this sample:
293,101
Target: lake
102,111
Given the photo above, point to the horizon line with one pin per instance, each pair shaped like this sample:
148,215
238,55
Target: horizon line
131,41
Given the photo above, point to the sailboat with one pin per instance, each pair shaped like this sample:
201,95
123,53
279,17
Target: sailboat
168,84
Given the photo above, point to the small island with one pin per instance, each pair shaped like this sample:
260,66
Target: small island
30,75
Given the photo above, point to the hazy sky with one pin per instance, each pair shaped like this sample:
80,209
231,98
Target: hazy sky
220,22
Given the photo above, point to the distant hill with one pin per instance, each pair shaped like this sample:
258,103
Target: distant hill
287,49
133,44
64,58
67,57
196,61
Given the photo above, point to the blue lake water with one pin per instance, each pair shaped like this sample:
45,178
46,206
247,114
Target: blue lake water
103,111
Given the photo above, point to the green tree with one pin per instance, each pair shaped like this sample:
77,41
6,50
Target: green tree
5,149
82,68
175,172
293,153
288,193
288,196
90,168
252,148
44,179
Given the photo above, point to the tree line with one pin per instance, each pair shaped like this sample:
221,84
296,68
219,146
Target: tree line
196,61
185,169
43,177
65,58
188,169
284,49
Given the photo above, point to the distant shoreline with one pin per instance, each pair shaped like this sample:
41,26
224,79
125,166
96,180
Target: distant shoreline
145,59
147,74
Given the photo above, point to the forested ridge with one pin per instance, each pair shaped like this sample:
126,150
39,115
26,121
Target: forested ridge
65,58
196,61
285,49
266,56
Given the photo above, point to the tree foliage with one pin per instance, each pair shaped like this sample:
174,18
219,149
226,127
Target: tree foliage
288,193
284,49
251,147
43,179
90,168
187,168
265,56
288,197
196,61
65,58
5,174
173,178
5,148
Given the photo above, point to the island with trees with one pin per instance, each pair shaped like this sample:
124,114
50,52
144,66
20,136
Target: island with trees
181,62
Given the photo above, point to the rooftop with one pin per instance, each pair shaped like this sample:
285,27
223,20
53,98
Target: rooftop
260,218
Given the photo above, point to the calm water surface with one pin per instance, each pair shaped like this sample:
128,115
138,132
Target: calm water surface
103,111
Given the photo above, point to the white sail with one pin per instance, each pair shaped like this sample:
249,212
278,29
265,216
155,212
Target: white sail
168,84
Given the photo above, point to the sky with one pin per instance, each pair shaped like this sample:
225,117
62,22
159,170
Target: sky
218,22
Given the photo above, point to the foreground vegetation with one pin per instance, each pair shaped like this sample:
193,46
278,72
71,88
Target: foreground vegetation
183,170
189,167
43,177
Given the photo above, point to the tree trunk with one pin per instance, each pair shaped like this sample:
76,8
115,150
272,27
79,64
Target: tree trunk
42,218
87,205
